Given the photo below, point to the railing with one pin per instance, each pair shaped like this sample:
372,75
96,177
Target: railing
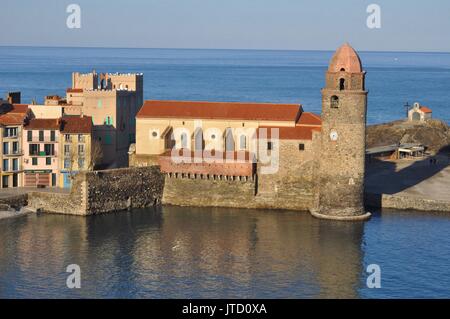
46,139
43,153
14,153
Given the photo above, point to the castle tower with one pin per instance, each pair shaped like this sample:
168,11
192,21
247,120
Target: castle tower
341,170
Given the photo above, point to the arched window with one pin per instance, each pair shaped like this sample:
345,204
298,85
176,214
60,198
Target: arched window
243,142
342,84
334,102
184,140
199,140
229,140
342,70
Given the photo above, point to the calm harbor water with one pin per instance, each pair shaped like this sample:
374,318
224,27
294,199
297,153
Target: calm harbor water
176,252
235,75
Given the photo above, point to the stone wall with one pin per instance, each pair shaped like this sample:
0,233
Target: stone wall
288,184
237,193
55,203
120,189
202,192
104,191
292,185
16,202
73,203
406,203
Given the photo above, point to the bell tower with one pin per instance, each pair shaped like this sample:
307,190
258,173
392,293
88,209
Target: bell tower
340,180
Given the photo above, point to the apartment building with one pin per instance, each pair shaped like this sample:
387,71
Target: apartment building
41,149
12,119
76,145
112,100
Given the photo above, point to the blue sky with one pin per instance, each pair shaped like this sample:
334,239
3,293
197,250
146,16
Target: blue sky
234,24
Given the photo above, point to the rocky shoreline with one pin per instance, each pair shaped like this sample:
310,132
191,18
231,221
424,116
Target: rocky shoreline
433,133
12,213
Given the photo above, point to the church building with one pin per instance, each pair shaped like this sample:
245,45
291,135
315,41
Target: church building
264,155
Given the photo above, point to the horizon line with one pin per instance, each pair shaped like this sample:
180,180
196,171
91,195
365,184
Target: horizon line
211,49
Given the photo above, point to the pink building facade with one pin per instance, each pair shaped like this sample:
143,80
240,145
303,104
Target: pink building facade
41,146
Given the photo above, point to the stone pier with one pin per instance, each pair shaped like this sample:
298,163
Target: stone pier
103,192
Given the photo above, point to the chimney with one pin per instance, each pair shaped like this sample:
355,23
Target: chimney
60,123
13,97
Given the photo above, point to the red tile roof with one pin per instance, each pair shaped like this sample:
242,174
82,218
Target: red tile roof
425,109
15,116
19,108
43,124
303,130
290,133
346,59
308,118
12,118
76,124
220,110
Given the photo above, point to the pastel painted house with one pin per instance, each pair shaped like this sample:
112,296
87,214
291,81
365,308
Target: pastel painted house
12,119
75,147
41,146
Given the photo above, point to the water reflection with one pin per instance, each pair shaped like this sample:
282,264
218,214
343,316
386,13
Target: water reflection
182,252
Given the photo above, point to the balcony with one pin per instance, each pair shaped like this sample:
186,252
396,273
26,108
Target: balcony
13,169
46,139
11,136
14,153
43,154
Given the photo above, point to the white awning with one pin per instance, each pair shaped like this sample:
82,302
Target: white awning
411,150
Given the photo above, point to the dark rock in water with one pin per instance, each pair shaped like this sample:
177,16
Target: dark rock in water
434,134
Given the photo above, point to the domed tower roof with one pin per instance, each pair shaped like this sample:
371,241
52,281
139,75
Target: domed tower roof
345,59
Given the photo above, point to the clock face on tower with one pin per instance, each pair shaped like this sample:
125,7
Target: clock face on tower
334,136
